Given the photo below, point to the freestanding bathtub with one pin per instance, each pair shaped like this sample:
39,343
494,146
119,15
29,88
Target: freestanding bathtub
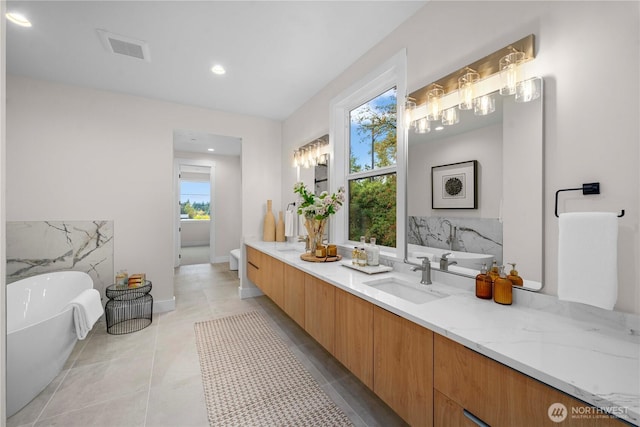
40,332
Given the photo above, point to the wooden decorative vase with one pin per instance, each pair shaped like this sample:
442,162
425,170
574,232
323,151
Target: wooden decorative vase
280,228
269,226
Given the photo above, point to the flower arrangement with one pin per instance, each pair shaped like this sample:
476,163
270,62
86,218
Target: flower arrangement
316,210
318,207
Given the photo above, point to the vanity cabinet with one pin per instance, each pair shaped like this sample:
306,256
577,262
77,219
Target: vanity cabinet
267,273
294,303
319,312
403,366
354,335
494,393
274,279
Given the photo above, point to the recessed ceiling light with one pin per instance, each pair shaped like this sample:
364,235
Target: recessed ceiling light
211,149
439,128
218,69
18,19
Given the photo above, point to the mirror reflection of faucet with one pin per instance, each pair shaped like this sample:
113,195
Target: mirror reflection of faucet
452,234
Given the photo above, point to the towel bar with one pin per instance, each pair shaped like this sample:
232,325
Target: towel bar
589,188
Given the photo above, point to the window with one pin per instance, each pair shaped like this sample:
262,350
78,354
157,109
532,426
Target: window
370,159
372,173
195,199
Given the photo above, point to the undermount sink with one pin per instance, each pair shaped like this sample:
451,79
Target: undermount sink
288,249
415,293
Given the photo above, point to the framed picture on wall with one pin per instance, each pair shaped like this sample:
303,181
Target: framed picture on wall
454,186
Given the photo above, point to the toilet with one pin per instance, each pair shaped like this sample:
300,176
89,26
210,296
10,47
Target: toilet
234,259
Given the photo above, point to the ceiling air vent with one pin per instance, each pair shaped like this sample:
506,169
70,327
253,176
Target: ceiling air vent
123,45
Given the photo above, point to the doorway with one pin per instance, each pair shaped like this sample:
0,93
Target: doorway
197,155
195,214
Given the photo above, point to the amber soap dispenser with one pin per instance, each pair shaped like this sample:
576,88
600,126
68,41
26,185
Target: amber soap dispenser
484,285
502,291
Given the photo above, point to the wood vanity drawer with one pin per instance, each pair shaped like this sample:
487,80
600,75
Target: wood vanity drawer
254,273
354,335
319,311
402,366
497,394
446,412
294,294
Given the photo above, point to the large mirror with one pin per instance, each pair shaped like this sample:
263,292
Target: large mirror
502,151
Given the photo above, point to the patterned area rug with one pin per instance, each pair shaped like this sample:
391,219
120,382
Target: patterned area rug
251,378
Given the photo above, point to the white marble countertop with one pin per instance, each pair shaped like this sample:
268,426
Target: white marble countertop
592,356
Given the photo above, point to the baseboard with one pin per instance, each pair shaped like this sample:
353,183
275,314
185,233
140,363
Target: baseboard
221,259
164,306
249,292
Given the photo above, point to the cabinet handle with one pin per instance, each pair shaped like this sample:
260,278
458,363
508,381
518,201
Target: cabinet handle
477,421
252,264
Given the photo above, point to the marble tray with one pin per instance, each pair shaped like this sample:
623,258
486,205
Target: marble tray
369,269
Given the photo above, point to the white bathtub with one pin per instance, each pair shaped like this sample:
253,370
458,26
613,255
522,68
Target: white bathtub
40,332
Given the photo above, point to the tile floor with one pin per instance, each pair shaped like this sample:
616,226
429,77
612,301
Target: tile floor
152,377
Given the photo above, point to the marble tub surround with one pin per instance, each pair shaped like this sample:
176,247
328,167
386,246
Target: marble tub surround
588,353
477,235
36,247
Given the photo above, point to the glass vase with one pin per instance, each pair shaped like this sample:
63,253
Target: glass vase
315,230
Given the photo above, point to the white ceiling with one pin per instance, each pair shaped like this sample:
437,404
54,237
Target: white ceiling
278,54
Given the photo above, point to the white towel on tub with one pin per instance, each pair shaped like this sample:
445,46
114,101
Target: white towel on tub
588,258
87,309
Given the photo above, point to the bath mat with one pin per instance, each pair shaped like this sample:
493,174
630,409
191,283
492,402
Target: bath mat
251,378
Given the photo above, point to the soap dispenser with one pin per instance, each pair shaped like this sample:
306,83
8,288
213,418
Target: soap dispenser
494,272
513,275
502,291
373,253
484,287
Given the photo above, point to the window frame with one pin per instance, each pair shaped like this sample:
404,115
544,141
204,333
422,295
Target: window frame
392,73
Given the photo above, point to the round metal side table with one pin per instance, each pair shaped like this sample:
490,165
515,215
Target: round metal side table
128,309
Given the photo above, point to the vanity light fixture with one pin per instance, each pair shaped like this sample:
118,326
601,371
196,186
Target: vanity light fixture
434,102
422,125
312,154
409,108
18,19
484,105
450,116
467,89
528,90
510,72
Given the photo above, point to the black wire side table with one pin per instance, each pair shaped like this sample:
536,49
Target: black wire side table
128,309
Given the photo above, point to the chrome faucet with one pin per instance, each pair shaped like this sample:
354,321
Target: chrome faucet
425,267
445,262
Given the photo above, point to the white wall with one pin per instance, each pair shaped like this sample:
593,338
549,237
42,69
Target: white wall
226,200
588,54
75,153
